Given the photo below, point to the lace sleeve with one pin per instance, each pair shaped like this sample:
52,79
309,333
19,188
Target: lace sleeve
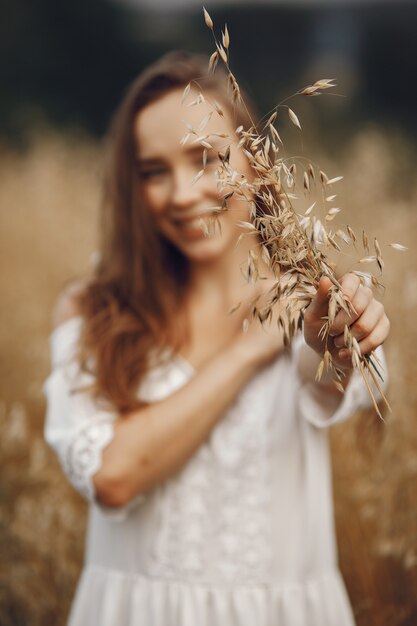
83,458
322,413
76,427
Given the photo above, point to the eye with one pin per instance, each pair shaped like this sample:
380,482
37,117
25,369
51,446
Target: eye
152,172
212,158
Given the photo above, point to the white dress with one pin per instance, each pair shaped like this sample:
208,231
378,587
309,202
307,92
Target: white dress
243,535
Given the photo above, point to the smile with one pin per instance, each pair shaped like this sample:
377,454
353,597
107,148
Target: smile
191,216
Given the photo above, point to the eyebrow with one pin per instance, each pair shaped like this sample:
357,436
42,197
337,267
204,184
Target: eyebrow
191,150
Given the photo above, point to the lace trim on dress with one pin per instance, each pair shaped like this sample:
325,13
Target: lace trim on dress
84,453
213,522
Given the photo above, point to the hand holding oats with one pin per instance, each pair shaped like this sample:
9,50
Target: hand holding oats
366,321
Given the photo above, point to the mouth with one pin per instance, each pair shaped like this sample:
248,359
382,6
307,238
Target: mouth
192,216
195,224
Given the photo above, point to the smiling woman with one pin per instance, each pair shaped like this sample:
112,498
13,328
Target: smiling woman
137,244
167,167
201,448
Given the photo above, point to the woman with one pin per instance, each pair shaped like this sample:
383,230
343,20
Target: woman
202,449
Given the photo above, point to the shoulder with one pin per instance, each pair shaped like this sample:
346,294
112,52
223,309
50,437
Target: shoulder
68,303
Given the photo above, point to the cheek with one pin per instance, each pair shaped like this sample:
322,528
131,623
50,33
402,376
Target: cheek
238,211
245,168
208,184
239,162
237,205
155,198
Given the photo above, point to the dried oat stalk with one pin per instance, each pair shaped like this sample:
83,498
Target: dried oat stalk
295,244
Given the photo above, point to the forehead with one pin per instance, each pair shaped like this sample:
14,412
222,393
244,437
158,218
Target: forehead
160,126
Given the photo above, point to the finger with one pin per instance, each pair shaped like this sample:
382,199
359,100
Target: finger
364,324
319,305
377,336
374,339
350,284
360,300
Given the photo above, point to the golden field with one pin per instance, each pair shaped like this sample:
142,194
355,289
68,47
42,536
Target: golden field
49,200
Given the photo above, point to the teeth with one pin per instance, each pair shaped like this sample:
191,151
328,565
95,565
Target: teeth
190,223
190,215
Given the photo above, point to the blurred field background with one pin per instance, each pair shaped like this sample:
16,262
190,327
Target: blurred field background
64,67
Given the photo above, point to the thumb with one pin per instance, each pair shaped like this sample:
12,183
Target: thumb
320,302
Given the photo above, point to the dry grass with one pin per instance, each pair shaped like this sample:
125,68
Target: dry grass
286,196
48,201
375,504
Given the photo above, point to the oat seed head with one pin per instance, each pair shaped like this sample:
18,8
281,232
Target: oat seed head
295,245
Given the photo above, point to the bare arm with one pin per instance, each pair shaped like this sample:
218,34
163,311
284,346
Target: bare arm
151,444
154,442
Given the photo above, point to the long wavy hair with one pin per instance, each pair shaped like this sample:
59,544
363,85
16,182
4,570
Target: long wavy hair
133,305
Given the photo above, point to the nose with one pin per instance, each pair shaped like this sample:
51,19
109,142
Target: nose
185,193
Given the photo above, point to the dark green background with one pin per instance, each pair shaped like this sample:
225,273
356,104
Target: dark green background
67,63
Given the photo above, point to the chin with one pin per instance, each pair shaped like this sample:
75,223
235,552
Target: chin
206,250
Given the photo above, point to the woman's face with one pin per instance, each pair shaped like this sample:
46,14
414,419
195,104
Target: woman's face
166,170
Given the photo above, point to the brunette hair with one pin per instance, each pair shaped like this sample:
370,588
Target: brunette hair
132,305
